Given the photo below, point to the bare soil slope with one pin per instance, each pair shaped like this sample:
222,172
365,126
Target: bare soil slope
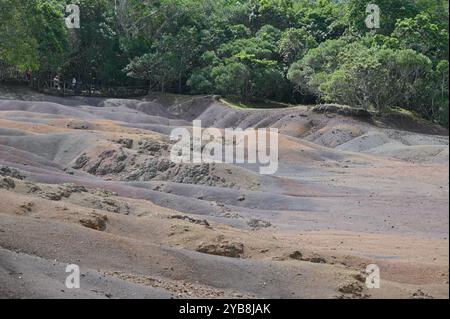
89,182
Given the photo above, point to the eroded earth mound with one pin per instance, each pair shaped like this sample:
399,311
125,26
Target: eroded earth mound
90,182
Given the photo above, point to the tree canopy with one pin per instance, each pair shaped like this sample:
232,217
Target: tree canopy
287,50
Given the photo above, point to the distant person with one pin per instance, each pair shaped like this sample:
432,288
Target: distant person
74,83
78,87
56,82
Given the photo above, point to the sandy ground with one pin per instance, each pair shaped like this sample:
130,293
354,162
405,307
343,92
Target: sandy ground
88,182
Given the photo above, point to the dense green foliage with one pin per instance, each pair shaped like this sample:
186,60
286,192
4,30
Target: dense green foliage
32,33
285,50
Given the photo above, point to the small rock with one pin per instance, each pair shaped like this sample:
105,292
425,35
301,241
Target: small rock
258,223
126,142
95,222
7,183
317,260
353,287
52,196
191,220
241,198
419,294
297,255
10,172
81,161
233,250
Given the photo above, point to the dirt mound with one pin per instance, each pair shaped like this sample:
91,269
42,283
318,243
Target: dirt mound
150,161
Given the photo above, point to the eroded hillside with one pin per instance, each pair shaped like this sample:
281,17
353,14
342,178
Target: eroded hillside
90,182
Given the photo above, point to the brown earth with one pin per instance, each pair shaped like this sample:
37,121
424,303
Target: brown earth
89,181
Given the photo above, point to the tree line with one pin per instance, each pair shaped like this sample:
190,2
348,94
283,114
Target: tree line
297,51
